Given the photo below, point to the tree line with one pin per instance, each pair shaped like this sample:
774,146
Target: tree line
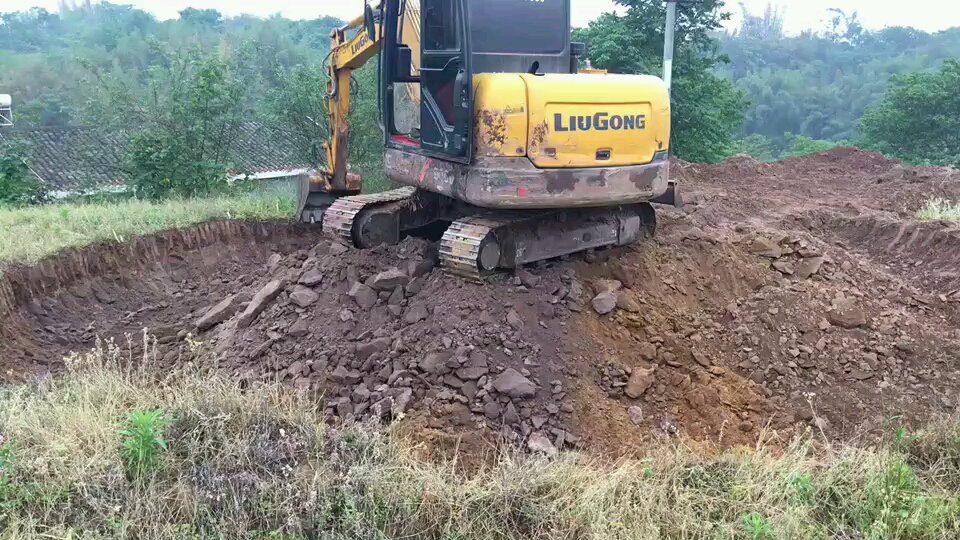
181,87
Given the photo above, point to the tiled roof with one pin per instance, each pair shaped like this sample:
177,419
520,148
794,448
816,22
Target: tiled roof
71,158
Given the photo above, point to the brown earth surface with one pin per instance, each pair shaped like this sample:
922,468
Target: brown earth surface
783,297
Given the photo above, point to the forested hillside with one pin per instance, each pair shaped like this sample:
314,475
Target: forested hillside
49,60
820,83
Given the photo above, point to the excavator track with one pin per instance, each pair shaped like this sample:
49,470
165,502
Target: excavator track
461,245
477,246
338,220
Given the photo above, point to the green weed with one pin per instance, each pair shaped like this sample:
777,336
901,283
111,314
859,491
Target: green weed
756,527
143,441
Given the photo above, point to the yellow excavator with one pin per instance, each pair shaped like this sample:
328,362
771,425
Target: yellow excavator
518,151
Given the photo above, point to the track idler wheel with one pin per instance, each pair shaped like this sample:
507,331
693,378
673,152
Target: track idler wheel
488,258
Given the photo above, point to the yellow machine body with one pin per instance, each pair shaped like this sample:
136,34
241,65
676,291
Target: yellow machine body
582,120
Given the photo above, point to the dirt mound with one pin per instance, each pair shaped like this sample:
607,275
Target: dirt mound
785,296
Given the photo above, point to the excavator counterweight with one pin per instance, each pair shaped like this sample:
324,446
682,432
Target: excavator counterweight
494,130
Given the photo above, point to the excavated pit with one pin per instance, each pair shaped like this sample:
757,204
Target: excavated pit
784,297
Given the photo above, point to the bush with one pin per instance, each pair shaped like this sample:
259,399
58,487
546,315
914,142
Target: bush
18,185
186,121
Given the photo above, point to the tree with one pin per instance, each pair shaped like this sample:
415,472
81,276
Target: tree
297,104
707,110
18,184
918,119
183,124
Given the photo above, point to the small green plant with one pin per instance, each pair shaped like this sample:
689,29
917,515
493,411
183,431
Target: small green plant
143,441
6,474
802,486
756,527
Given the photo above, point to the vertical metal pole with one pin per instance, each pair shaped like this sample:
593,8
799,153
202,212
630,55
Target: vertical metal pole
668,35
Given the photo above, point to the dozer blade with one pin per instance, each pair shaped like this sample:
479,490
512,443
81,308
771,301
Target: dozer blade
477,246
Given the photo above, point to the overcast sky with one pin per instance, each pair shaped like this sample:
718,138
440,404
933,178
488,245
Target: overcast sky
930,15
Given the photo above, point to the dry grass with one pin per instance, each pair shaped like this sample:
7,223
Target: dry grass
32,233
940,209
261,463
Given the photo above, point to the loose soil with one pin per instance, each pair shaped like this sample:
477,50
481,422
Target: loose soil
783,297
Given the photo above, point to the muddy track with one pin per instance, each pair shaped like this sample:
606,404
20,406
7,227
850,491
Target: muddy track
785,297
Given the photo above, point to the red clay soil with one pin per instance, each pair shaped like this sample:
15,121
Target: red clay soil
783,297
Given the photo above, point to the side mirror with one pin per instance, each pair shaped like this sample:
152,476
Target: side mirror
369,23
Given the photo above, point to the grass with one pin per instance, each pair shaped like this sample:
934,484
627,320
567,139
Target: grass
261,462
939,209
31,233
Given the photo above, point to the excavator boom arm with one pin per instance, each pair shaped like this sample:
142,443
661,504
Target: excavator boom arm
347,54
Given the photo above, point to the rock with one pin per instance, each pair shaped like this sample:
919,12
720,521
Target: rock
861,375
492,410
575,294
433,363
510,415
606,285
746,426
514,320
605,302
337,248
364,296
636,414
809,267
218,313
906,347
389,280
784,268
472,373
627,303
538,421
261,349
298,368
701,358
365,350
765,247
421,268
274,261
539,442
311,278
515,385
847,315
647,351
396,297
304,296
343,375
528,280
401,402
260,302
298,329
640,380
415,314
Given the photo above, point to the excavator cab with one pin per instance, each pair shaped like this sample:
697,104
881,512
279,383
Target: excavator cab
458,39
494,133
